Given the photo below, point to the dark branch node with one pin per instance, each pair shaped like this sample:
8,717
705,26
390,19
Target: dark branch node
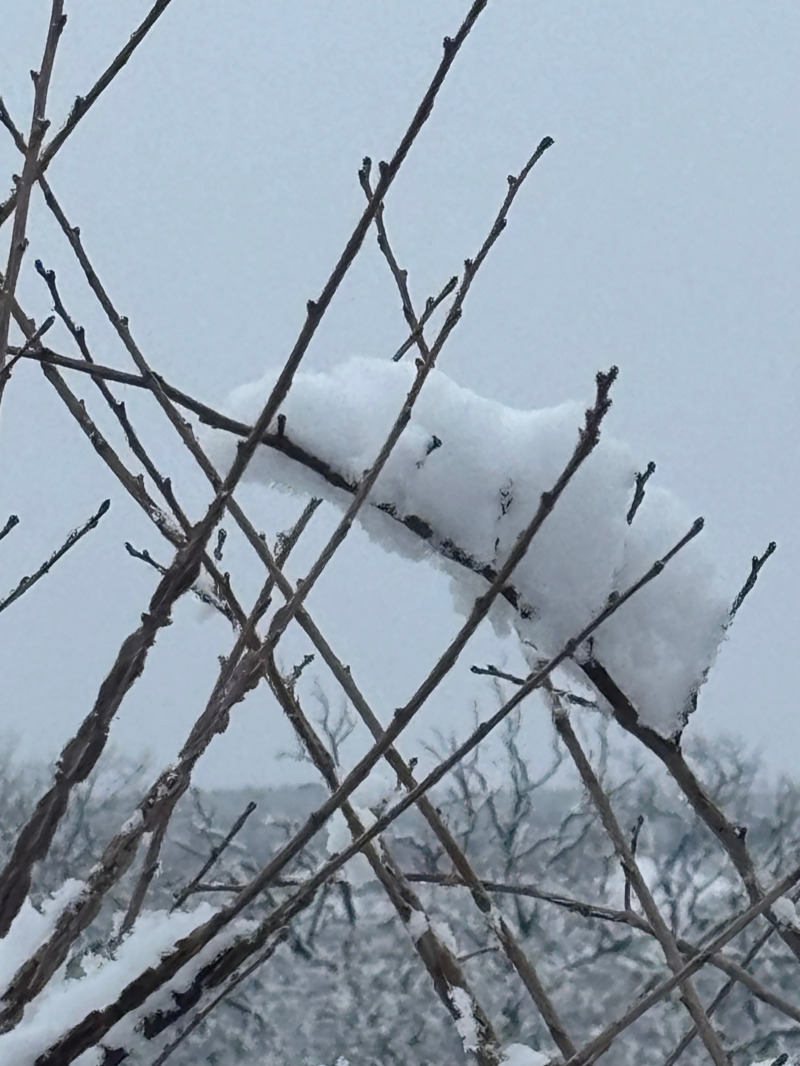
13,520
222,535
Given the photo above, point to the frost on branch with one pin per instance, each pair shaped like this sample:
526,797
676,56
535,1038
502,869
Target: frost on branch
465,479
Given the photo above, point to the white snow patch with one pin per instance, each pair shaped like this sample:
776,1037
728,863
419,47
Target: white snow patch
418,925
473,470
466,1023
31,928
522,1055
445,935
785,911
65,1001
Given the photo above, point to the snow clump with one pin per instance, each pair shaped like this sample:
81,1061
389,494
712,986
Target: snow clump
466,478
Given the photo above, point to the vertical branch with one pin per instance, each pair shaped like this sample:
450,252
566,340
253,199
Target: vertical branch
39,125
448,978
730,836
665,938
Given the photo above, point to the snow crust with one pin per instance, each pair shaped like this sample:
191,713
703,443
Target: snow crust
473,471
32,928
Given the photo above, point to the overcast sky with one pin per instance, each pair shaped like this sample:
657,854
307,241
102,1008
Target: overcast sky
215,185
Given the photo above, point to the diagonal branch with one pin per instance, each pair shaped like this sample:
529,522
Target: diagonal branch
88,1032
82,752
72,539
83,103
675,961
736,971
216,852
603,1041
730,836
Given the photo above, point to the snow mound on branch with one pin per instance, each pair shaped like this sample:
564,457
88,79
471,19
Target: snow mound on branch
467,474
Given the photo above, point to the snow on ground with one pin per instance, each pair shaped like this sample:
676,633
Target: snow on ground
473,470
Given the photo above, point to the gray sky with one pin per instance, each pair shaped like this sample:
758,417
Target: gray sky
215,185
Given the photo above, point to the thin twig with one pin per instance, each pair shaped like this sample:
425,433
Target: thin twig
672,955
725,991
72,539
471,266
33,342
633,846
22,192
755,567
736,971
233,612
400,276
216,852
202,594
431,305
601,1043
83,103
502,675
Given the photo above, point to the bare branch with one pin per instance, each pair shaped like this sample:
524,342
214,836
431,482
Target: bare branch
83,103
88,1032
73,538
633,846
22,194
596,1047
216,852
431,305
675,961
755,568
